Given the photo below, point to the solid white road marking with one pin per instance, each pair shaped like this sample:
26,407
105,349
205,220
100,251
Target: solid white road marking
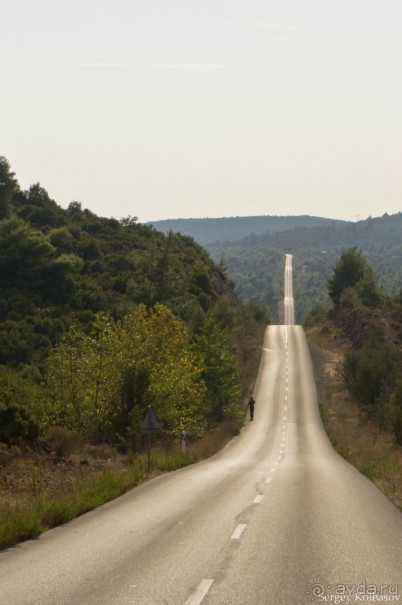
200,593
238,531
258,499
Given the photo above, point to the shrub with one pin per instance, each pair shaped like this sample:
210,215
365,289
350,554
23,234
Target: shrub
63,441
17,422
368,371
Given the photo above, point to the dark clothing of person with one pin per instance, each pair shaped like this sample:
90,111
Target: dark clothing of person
251,405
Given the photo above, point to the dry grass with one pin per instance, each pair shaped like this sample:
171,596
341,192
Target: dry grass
214,440
354,435
40,489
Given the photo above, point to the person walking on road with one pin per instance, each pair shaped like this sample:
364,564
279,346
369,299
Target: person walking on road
251,405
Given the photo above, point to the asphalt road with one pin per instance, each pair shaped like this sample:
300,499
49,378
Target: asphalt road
276,518
288,302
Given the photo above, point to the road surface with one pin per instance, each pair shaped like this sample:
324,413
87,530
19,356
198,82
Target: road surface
288,301
276,518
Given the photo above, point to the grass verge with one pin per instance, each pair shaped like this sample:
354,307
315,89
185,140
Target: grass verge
26,513
28,516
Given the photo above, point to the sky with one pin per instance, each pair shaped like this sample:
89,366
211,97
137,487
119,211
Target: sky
182,108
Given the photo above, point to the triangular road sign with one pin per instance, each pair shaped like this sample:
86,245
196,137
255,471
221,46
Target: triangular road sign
150,422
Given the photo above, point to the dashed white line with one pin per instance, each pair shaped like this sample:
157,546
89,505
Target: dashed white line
238,531
258,499
200,593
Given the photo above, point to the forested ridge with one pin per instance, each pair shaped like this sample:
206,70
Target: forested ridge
254,262
100,318
225,229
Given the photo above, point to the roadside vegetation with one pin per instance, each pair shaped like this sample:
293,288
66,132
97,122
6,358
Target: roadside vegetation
356,350
67,476
100,319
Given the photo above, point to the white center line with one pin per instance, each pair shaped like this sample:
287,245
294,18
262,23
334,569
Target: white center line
238,531
258,499
200,593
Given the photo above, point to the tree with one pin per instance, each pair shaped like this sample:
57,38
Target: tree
17,402
221,373
353,281
24,251
83,384
101,383
369,371
8,187
161,363
347,272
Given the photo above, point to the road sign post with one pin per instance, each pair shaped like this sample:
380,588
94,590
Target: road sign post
150,423
183,441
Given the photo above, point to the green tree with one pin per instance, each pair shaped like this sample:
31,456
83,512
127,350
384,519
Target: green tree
8,187
369,371
221,372
82,383
101,383
158,358
18,399
24,251
347,272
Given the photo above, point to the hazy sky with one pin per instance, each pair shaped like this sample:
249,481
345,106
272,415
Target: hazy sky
179,108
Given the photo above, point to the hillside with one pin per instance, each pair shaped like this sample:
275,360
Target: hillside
101,318
209,230
254,263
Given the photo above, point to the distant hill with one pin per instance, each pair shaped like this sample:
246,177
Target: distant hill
210,230
255,263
